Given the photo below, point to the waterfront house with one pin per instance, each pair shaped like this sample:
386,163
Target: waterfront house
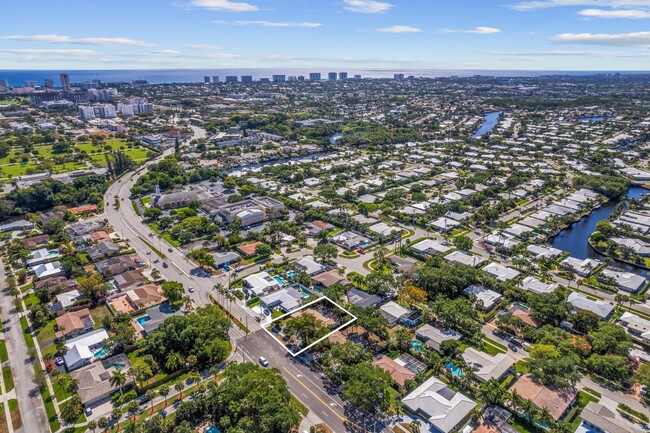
579,301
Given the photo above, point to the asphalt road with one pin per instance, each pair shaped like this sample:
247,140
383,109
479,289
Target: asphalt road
30,403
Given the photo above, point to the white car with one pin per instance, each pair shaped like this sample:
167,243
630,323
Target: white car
264,362
190,289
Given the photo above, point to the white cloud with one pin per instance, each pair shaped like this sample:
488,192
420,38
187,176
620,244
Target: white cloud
399,29
269,23
633,14
223,5
545,4
562,53
61,39
76,53
637,39
484,30
367,6
203,47
481,30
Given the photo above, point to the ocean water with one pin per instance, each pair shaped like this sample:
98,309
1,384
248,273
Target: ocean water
18,77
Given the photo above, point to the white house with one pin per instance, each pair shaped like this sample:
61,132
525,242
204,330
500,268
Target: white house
260,283
84,349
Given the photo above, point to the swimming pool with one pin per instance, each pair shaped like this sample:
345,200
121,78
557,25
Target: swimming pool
417,346
143,319
280,280
212,429
292,274
100,353
456,371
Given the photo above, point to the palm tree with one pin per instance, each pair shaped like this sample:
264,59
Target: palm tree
178,387
194,376
151,394
415,425
92,425
515,400
164,392
118,380
528,407
103,423
545,417
173,361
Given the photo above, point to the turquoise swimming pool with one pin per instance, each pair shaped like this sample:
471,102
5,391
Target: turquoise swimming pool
143,319
212,429
280,281
102,352
456,371
417,346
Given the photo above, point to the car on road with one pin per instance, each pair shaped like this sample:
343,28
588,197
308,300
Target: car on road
170,250
361,251
513,347
190,289
165,265
58,361
264,362
239,268
88,411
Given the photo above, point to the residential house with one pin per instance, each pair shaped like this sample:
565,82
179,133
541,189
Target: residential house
626,281
308,265
36,241
579,266
438,405
85,348
500,272
115,265
395,313
601,419
428,247
329,278
41,255
433,337
74,323
398,372
579,301
226,258
463,258
128,279
145,296
102,251
485,298
94,380
47,270
636,326
363,299
485,366
56,284
285,299
557,401
535,285
260,283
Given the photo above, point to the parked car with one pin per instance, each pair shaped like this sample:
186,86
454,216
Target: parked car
226,267
88,411
361,251
190,289
58,361
165,265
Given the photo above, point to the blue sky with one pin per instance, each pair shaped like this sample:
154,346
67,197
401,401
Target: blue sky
352,34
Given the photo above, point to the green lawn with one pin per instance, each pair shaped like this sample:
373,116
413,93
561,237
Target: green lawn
16,420
29,340
16,170
31,301
98,315
4,356
69,166
574,416
46,333
8,378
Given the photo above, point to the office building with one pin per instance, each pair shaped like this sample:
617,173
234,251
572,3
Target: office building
65,83
343,75
206,79
215,79
314,76
48,82
231,79
246,78
4,82
279,78
331,76
398,76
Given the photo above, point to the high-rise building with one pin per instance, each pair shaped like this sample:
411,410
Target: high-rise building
264,80
292,78
65,83
215,79
31,83
301,78
49,83
343,75
357,77
246,78
105,111
331,76
398,76
4,82
86,113
314,76
231,79
279,78
206,79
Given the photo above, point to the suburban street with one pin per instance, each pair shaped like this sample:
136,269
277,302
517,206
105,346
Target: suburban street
30,403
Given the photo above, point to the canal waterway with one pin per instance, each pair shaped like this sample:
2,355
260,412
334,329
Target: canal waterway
490,120
575,238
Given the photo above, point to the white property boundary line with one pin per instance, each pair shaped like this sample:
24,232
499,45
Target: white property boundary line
301,308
